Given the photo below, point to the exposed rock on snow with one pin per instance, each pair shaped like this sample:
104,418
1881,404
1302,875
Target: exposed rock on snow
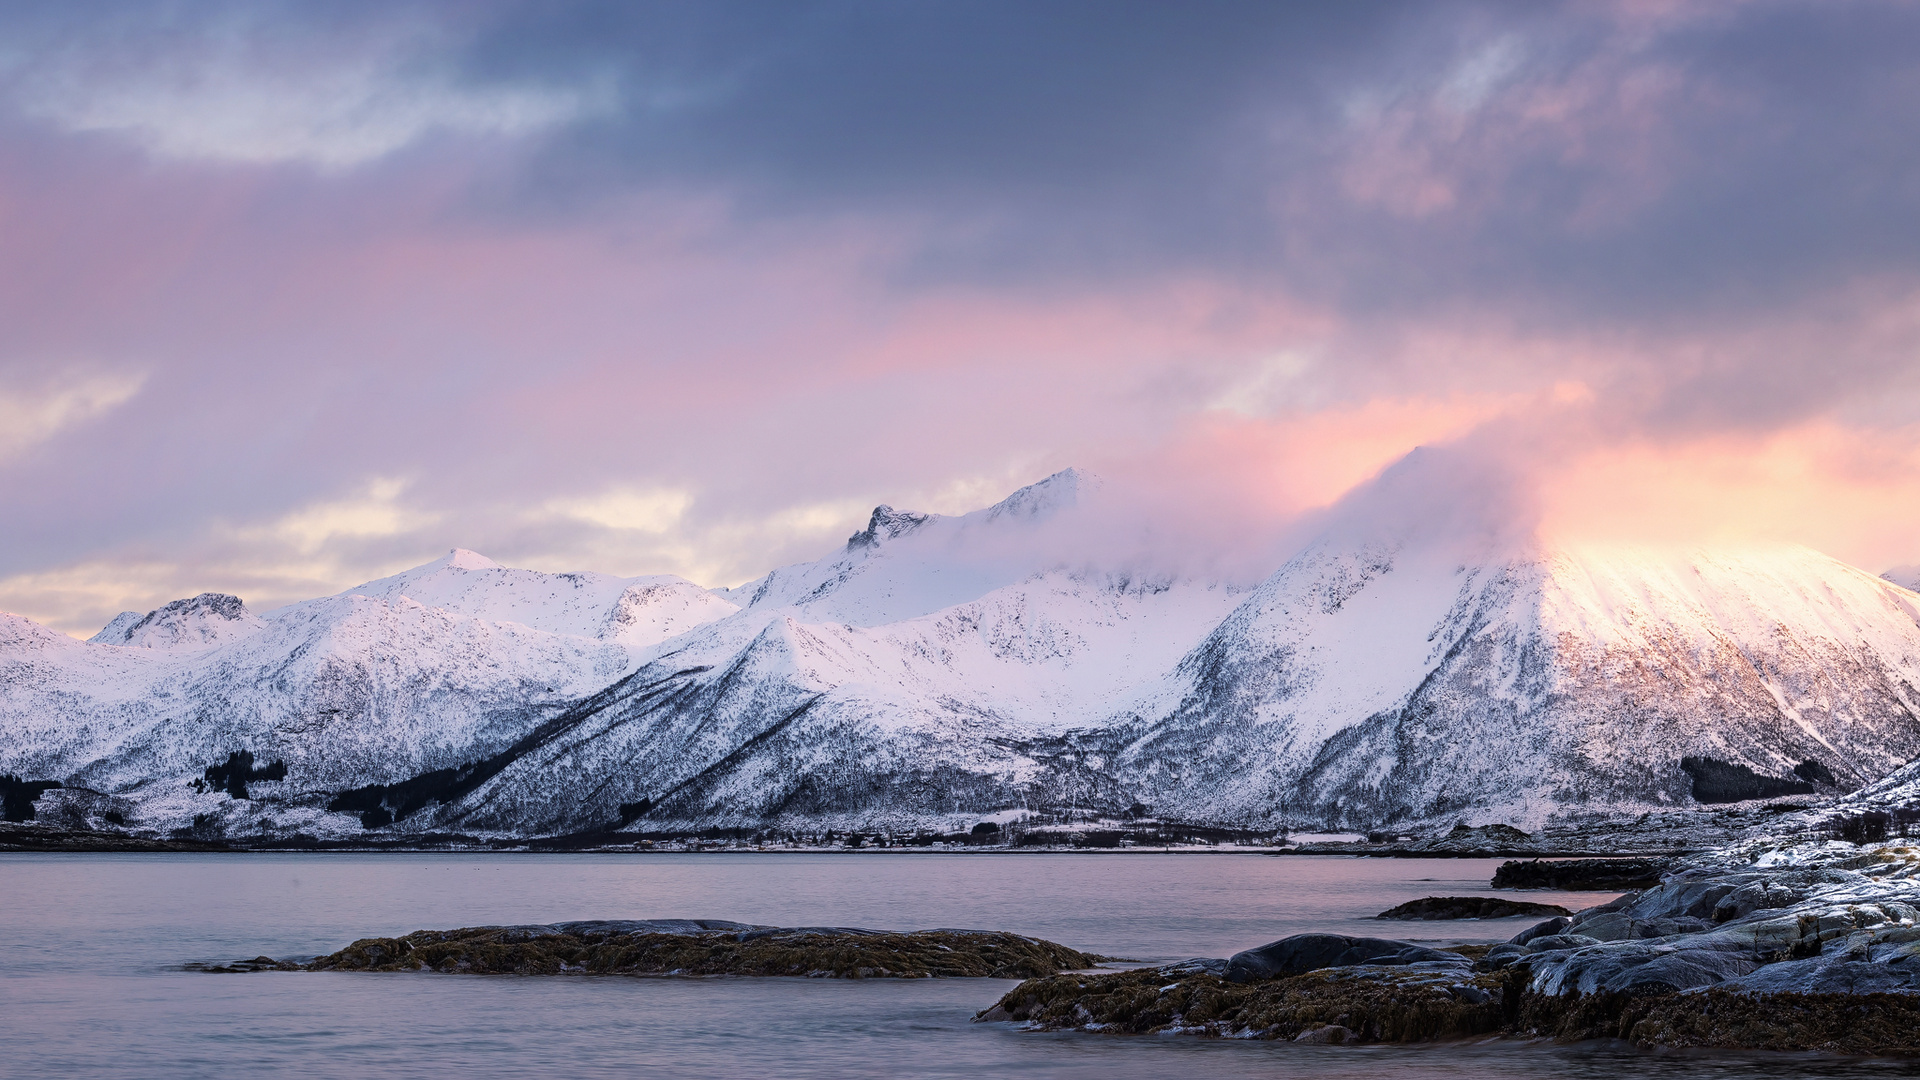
207,619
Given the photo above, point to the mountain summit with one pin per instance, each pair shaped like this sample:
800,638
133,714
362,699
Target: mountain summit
207,619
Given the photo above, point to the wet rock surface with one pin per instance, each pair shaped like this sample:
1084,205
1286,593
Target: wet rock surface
1360,1004
1800,947
1469,907
695,947
1885,1025
1814,919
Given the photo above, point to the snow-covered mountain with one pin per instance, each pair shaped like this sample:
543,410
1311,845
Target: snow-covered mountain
371,685
636,612
929,672
1423,660
1428,655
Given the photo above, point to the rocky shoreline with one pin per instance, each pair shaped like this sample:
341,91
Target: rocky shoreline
1775,945
694,947
1806,947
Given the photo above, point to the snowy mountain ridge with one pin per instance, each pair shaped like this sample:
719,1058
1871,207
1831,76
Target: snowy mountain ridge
904,565
1554,677
207,619
637,612
1428,657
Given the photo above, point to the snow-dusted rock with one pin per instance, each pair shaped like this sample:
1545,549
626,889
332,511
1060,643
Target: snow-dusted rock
207,619
1811,919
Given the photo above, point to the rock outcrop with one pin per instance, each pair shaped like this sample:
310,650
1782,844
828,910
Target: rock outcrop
1808,947
695,947
1469,907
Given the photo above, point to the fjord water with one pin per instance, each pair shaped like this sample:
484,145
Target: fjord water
91,948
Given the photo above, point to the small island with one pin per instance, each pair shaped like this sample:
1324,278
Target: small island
694,947
1432,908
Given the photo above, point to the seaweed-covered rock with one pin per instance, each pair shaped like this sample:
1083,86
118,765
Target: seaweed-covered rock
1366,1004
1856,1024
700,947
1469,907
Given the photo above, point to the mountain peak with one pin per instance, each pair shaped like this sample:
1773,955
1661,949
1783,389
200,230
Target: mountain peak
1057,492
462,559
886,524
207,619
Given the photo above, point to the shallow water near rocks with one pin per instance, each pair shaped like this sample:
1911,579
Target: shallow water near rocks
91,948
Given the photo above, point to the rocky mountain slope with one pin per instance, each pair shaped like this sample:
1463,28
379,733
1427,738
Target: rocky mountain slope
1429,657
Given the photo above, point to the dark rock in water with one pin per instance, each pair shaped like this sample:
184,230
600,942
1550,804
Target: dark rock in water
1469,907
697,947
1330,1035
258,963
1311,952
1580,874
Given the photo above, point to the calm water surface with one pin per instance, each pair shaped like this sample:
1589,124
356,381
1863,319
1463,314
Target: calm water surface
90,949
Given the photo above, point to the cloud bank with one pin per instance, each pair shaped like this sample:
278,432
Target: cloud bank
295,294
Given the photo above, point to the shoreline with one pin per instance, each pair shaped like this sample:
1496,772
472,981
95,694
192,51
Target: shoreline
156,846
24,837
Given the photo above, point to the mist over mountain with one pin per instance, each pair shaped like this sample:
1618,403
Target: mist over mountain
1428,656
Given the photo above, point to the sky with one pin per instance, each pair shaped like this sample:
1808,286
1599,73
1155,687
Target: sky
296,295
